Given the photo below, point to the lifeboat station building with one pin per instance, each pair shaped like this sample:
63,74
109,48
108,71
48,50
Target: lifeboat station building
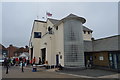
69,43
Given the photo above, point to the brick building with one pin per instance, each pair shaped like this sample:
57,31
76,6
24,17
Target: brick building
11,49
3,51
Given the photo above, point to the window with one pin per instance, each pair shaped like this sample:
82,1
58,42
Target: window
95,57
37,34
50,30
60,56
88,32
101,58
84,32
56,27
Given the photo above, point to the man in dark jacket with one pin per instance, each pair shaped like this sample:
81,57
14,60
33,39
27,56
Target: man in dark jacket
39,61
7,65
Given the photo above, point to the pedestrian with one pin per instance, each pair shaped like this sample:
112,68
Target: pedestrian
14,62
39,61
34,60
5,60
28,61
31,61
9,62
22,66
24,61
89,65
17,61
7,65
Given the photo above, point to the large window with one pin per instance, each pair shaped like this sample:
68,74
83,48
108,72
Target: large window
37,34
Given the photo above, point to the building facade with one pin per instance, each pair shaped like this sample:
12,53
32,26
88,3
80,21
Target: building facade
3,52
11,49
60,41
69,43
104,52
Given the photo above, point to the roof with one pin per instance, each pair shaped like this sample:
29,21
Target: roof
2,47
24,54
106,44
40,21
83,20
54,21
86,29
108,37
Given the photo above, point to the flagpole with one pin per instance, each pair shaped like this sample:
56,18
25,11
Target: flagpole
46,15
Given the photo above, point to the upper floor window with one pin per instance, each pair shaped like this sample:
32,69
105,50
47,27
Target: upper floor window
56,27
84,32
37,34
89,32
50,30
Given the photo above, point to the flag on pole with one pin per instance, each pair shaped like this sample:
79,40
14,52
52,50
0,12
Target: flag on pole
48,14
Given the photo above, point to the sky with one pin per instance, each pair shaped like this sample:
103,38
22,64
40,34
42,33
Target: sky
18,17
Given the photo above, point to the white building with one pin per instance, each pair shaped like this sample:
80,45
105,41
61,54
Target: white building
60,41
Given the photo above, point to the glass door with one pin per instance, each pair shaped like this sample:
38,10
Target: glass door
115,61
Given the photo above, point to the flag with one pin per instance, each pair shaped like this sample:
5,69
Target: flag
48,14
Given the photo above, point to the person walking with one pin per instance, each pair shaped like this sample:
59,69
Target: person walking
7,65
39,61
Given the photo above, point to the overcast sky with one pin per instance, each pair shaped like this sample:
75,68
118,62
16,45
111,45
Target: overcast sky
17,18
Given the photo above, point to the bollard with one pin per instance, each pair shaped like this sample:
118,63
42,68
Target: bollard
34,68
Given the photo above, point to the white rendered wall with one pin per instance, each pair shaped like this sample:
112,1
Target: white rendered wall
59,44
38,27
87,36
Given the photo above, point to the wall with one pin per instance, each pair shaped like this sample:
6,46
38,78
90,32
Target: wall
87,36
48,42
11,49
88,47
59,44
37,27
97,61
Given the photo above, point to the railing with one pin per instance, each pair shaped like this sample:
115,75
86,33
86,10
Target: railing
50,32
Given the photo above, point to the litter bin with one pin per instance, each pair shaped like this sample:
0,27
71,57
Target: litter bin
34,68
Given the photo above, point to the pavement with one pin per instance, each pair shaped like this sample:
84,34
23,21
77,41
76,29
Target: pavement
92,73
16,72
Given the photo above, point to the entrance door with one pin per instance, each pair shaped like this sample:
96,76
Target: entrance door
31,53
57,59
118,61
115,61
43,55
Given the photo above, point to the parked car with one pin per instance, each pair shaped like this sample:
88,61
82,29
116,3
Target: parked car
1,62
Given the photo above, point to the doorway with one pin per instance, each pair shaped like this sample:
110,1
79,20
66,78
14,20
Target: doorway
57,59
43,55
115,61
31,53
